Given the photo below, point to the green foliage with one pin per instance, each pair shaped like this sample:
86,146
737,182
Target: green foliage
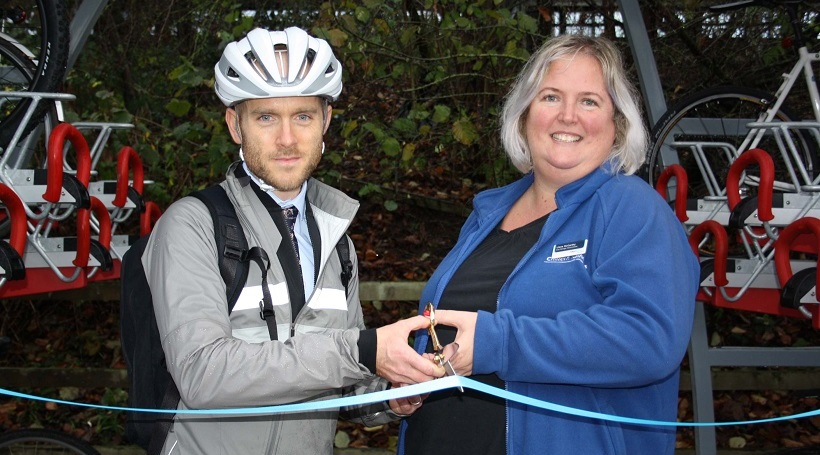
411,65
422,82
423,79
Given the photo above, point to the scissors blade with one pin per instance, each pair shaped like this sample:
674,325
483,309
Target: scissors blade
450,371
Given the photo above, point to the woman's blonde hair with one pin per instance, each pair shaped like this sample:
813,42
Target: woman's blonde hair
629,148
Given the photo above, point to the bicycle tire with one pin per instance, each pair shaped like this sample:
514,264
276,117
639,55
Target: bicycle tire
49,23
18,75
43,441
723,106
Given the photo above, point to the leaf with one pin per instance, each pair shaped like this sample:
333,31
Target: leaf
418,114
391,205
178,107
405,126
348,128
465,131
527,23
369,188
362,14
337,37
381,25
408,151
391,147
7,408
342,440
408,35
441,113
103,94
121,116
333,157
69,393
378,133
815,420
463,22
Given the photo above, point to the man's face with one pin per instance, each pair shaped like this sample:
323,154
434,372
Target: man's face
281,138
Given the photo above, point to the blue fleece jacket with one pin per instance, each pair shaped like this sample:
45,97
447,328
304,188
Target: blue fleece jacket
596,316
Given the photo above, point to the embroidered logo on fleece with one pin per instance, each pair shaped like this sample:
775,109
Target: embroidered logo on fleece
568,252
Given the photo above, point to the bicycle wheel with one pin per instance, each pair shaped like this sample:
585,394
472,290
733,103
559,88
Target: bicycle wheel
17,71
41,26
705,130
43,441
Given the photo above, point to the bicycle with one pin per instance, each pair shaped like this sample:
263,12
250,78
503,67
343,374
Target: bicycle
707,130
33,441
33,57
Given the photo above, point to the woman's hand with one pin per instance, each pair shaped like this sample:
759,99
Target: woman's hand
465,322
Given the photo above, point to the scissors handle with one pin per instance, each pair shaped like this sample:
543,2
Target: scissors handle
430,312
438,349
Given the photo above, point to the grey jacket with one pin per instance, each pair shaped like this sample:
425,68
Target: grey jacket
222,361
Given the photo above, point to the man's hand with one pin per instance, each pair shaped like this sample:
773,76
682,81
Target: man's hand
396,361
464,321
407,405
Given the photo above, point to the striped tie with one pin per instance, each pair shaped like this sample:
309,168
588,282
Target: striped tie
290,216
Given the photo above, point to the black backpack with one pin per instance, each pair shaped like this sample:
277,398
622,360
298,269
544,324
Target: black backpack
150,384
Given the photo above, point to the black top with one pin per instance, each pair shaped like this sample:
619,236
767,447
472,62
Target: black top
472,422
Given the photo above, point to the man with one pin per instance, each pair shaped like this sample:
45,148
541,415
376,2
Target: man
277,87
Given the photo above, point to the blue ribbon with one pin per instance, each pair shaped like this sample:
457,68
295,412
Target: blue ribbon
417,389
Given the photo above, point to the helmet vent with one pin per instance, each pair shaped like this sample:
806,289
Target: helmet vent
256,65
306,64
280,52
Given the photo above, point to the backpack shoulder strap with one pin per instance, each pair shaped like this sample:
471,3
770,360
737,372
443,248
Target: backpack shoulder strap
231,243
343,248
234,255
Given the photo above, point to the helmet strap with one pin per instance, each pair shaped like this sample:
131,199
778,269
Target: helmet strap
262,184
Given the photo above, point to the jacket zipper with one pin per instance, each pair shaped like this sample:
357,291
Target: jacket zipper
497,305
506,388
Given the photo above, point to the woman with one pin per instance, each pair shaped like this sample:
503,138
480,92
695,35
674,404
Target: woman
574,285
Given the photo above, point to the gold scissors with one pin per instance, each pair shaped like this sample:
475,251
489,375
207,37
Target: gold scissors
438,349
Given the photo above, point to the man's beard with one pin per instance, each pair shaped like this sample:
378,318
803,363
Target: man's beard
287,182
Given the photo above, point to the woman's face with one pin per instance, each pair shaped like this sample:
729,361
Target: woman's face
570,126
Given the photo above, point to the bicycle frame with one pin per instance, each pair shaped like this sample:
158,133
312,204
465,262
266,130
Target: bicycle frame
754,130
804,65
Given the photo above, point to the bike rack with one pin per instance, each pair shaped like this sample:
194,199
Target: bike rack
17,153
765,280
50,196
11,252
104,133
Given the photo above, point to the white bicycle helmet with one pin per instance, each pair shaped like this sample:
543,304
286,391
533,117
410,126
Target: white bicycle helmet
267,64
